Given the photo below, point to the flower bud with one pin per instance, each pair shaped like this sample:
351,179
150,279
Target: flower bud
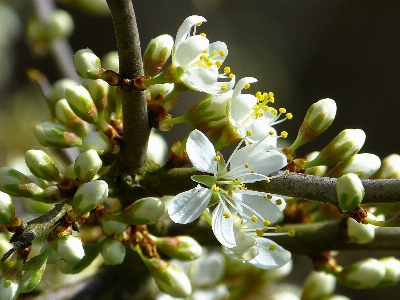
350,191
390,167
56,135
57,91
364,165
111,227
365,274
88,196
32,272
319,117
342,147
41,165
65,115
360,233
87,64
157,149
17,184
317,170
141,212
179,247
98,90
7,210
113,252
10,282
81,103
97,141
87,164
110,61
69,248
392,271
278,273
59,25
318,285
156,54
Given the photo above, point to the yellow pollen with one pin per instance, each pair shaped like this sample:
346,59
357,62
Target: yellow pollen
203,57
215,188
267,180
259,114
199,24
222,53
273,111
282,110
227,70
289,116
291,233
249,132
272,247
278,202
215,52
278,228
205,50
271,97
284,134
247,86
287,171
265,108
259,95
271,133
247,165
226,215
210,63
269,197
254,218
252,171
259,232
203,34
231,192
217,158
218,63
256,107
231,75
266,223
224,87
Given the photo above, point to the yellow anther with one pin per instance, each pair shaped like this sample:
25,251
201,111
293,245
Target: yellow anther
253,172
258,114
249,132
215,188
271,97
218,63
227,215
205,50
282,110
273,111
254,218
247,165
227,70
291,233
278,202
287,171
203,34
222,53
278,228
247,86
210,63
231,192
267,180
256,107
289,116
271,133
199,24
224,87
259,95
266,223
265,108
231,75
215,52
217,158
272,247
259,232
203,57
284,134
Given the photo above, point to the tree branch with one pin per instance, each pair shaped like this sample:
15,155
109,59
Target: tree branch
135,122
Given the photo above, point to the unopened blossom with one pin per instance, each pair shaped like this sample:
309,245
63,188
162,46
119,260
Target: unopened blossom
225,186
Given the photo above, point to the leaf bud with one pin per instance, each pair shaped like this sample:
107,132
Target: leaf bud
365,274
41,165
69,248
10,282
318,118
360,233
179,247
32,272
342,147
88,196
59,25
113,252
17,184
97,141
156,54
318,285
7,209
87,164
390,167
111,227
87,64
141,212
65,115
364,165
350,191
81,103
392,271
50,134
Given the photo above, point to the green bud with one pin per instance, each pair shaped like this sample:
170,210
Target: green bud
319,117
57,91
70,172
98,90
41,165
157,149
390,167
94,8
10,282
69,248
318,285
179,247
17,184
32,272
113,252
111,227
360,233
110,61
87,64
141,212
65,115
7,210
88,196
87,164
81,103
350,191
56,135
59,25
365,274
392,271
342,147
337,297
97,141
317,170
156,54
364,165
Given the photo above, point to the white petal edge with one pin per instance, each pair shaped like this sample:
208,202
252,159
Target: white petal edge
201,152
270,259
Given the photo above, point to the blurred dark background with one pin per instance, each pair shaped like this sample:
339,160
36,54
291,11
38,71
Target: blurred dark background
303,51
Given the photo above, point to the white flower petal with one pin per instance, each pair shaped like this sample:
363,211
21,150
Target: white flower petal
217,46
207,270
264,207
186,27
200,79
261,128
241,109
223,227
269,259
188,206
201,152
243,241
241,84
189,50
